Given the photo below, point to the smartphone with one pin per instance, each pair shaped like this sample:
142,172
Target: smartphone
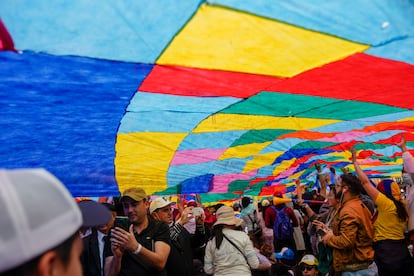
198,211
321,232
122,222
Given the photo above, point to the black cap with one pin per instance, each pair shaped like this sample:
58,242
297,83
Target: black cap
94,213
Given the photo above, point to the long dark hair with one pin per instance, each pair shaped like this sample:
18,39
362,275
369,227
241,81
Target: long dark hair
218,234
401,211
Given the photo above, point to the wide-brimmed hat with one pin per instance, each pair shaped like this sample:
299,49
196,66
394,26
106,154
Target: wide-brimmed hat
225,215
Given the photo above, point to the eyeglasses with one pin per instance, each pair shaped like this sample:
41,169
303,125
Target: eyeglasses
304,267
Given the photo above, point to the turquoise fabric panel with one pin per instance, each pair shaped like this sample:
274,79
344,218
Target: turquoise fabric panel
127,30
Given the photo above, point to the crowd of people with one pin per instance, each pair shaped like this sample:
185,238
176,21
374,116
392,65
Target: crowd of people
350,225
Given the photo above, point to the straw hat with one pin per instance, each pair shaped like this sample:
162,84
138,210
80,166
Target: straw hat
225,215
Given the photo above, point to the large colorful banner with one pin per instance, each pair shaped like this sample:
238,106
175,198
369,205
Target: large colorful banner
219,98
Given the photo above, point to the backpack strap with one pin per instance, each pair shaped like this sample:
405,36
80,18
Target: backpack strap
230,241
253,221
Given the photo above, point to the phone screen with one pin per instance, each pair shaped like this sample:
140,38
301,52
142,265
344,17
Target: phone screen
198,211
122,222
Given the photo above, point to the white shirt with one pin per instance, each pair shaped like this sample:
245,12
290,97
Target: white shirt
101,244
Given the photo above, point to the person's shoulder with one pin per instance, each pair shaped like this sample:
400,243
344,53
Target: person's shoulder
157,225
352,207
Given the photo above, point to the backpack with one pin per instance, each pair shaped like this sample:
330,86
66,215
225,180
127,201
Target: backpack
257,229
282,228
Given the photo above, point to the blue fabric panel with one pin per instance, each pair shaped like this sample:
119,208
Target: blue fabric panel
179,174
146,108
199,184
155,121
282,145
368,22
62,114
296,153
128,30
401,50
210,140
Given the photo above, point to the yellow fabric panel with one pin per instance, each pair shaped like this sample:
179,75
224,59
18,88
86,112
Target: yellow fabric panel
226,122
284,165
243,150
406,119
262,160
337,154
224,39
295,176
140,156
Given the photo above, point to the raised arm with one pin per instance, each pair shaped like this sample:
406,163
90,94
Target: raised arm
366,184
408,159
322,179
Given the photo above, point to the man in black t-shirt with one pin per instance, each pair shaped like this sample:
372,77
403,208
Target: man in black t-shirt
144,249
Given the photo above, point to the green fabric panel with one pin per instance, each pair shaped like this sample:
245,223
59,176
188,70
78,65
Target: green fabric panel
176,190
251,192
292,105
238,185
370,146
259,136
218,197
328,158
313,145
259,185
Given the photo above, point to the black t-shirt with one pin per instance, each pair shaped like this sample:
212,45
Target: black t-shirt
132,264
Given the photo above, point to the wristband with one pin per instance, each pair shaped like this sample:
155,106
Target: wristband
136,252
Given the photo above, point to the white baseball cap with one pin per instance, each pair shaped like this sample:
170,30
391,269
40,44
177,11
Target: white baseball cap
158,203
37,214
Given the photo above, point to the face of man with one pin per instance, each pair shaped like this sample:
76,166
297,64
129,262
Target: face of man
339,189
164,214
308,270
312,272
74,266
332,201
136,211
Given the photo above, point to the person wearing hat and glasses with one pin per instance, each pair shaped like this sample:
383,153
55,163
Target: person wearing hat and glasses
143,249
308,266
180,260
39,224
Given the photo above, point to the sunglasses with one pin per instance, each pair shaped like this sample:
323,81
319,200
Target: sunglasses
302,267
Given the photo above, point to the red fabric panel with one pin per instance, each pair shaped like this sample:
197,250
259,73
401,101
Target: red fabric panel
6,41
393,140
204,83
359,77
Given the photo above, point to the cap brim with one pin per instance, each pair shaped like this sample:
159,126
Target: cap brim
308,262
94,213
279,256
